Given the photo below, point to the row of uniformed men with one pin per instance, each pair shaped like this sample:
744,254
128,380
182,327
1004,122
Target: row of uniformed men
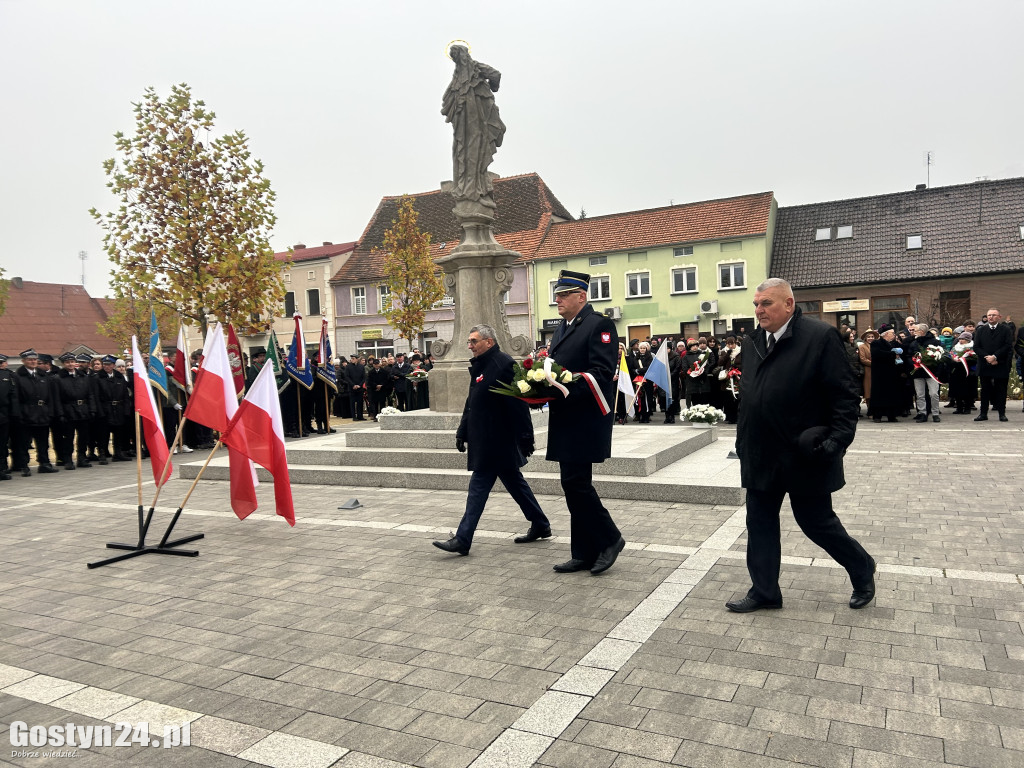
82,406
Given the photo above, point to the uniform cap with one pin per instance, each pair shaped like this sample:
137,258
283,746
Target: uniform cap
67,357
29,353
108,359
572,281
84,358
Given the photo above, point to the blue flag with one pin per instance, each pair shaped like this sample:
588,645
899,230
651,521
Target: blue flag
157,372
297,364
325,364
657,372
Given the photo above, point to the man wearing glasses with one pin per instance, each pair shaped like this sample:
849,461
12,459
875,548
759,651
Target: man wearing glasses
499,432
580,425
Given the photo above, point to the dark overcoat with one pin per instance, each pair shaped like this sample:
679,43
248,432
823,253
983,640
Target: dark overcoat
805,382
8,397
493,425
113,398
887,387
38,407
577,430
77,396
998,342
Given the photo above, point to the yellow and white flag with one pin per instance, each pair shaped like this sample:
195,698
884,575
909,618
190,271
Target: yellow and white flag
626,386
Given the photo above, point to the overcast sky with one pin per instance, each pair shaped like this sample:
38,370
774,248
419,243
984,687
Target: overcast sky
618,106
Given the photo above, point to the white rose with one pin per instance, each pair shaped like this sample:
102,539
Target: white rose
535,375
524,387
566,377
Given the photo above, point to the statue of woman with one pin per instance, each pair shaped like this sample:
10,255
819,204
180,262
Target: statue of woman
468,104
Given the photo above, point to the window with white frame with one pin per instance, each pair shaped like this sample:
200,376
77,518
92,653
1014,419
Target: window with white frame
686,250
311,275
844,231
287,277
383,297
551,292
600,287
732,276
823,233
684,280
289,304
598,261
915,242
359,300
638,284
313,301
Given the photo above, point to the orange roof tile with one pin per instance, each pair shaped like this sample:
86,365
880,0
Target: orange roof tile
729,217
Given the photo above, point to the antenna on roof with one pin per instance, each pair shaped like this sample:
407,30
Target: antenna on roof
929,161
83,255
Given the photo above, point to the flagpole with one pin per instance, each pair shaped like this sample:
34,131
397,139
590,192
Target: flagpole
298,405
167,464
177,512
327,408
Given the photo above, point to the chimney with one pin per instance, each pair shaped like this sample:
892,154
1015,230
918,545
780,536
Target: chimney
328,242
298,247
920,187
17,282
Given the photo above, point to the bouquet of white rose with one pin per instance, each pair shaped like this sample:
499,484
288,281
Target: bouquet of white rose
534,381
703,414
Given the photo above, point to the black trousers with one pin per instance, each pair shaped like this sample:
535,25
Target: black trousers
993,394
591,526
480,485
27,435
818,521
356,402
67,449
5,430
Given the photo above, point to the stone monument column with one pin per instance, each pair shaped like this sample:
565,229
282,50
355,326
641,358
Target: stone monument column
479,270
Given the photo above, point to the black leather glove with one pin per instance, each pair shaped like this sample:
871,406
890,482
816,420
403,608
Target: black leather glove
527,447
460,444
828,449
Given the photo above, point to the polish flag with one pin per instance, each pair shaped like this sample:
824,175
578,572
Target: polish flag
257,431
152,427
182,367
212,404
235,360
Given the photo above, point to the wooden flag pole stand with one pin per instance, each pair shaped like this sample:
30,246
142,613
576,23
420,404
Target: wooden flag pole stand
165,547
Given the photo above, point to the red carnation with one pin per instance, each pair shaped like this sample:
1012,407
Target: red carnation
528,363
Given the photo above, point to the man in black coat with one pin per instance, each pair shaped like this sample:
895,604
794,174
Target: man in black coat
113,401
993,341
499,432
37,411
399,382
356,374
8,413
580,425
78,405
797,416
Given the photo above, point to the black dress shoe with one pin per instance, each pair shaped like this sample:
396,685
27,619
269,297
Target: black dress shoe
119,457
47,469
749,605
532,535
893,420
607,558
921,417
935,417
69,465
1002,417
982,417
83,464
103,461
453,545
863,595
5,475
571,566
26,472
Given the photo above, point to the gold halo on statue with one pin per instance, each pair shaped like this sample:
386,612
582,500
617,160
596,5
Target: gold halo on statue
448,48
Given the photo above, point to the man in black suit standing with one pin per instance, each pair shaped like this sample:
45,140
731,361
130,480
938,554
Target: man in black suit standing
993,341
580,425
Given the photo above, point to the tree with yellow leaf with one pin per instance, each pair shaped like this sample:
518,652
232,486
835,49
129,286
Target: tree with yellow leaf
409,273
191,230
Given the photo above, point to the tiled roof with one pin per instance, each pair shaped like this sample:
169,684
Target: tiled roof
51,318
967,229
693,222
524,210
325,251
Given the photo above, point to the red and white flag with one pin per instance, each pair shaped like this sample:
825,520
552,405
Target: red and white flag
152,426
258,431
182,373
235,358
212,404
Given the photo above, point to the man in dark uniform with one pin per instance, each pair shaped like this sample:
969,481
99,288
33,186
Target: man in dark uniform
797,417
47,369
499,431
112,400
78,406
378,386
38,410
580,425
993,341
8,412
356,376
399,371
